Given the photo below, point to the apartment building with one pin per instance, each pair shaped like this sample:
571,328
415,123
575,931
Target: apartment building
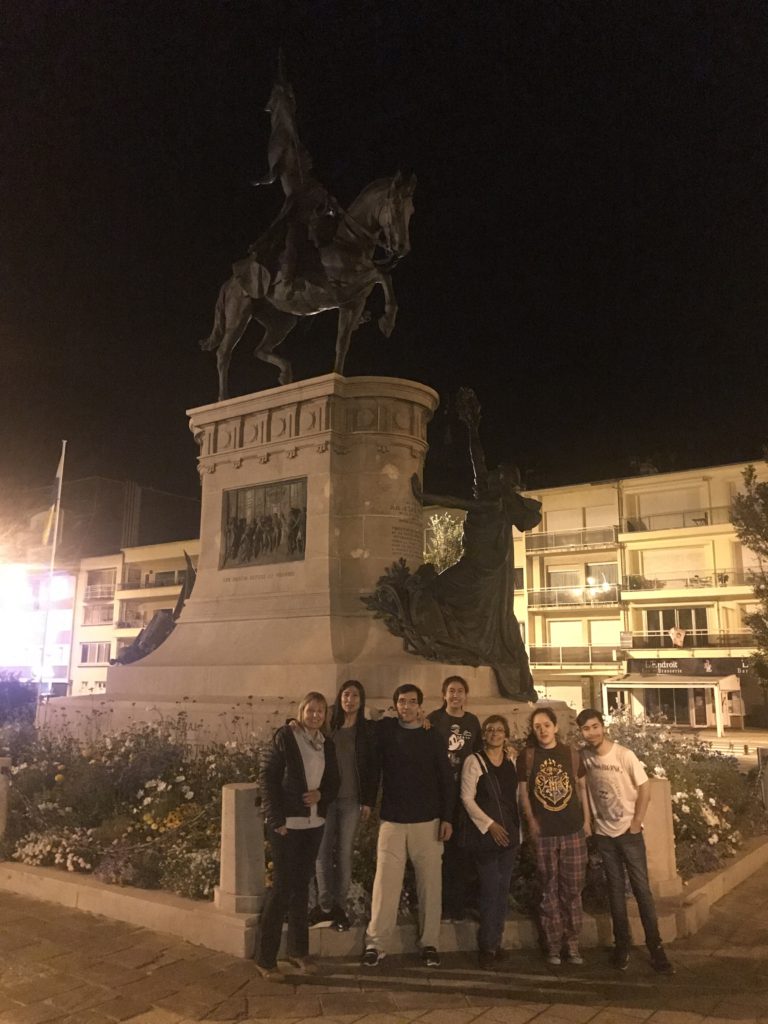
116,596
634,594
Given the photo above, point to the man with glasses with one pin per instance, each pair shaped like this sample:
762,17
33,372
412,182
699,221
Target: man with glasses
416,815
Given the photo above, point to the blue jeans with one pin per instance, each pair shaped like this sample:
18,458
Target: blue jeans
628,850
494,869
334,861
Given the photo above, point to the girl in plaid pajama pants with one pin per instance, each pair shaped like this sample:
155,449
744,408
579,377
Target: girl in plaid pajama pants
552,789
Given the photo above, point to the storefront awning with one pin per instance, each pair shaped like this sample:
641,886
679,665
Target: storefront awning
718,684
727,683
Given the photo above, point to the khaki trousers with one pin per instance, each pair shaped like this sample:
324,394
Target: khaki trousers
397,843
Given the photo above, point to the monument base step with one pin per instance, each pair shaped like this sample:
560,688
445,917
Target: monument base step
210,721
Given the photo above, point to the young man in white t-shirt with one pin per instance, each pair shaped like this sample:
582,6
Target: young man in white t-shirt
619,794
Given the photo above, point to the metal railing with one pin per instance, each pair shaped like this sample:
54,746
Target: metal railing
99,591
574,597
691,579
692,638
677,520
590,536
152,583
551,654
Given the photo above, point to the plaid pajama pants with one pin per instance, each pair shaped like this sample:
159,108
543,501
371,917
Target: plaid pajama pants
561,862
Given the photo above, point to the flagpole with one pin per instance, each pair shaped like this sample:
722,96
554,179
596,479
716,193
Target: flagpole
52,566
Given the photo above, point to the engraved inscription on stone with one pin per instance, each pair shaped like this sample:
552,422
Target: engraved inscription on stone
407,541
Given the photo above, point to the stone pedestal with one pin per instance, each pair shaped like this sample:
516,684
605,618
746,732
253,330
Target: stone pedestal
659,836
283,622
241,879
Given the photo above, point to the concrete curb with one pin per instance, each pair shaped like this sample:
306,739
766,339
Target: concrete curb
704,891
204,924
194,921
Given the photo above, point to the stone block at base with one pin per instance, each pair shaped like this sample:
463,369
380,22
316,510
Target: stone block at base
193,921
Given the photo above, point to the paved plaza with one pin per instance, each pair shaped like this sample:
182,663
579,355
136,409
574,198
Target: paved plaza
68,967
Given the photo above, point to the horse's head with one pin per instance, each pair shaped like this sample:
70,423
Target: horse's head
395,218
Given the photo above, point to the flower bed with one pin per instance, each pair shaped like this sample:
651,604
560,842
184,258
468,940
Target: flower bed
140,807
143,807
714,807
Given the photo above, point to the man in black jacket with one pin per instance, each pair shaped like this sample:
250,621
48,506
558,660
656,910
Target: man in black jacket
416,815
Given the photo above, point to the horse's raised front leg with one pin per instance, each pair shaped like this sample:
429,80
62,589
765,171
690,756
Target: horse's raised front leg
277,326
350,318
387,319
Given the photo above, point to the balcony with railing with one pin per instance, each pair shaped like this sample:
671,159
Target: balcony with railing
156,581
587,656
589,537
588,595
691,638
99,592
687,580
677,520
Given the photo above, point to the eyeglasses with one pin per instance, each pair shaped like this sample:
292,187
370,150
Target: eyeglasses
407,702
496,728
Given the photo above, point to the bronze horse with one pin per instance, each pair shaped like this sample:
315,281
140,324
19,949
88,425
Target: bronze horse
338,275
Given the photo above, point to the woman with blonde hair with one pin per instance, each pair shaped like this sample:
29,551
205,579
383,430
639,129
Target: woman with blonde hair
299,779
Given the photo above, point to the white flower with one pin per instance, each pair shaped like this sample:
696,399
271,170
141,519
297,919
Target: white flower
686,809
659,772
699,794
713,839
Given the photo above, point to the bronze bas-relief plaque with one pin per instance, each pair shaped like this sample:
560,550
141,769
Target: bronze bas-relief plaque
264,524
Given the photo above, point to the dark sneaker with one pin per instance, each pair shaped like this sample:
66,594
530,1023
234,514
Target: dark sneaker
486,960
372,957
660,962
340,920
430,957
305,964
319,916
620,958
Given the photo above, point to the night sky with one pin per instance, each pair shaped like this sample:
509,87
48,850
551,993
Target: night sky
589,242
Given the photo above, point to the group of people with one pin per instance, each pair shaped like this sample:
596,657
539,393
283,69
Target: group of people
453,797
247,539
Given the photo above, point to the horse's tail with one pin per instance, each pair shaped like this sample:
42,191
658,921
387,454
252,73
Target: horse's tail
213,340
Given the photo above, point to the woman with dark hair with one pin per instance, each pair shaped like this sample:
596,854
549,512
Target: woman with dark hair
492,834
300,780
552,786
355,748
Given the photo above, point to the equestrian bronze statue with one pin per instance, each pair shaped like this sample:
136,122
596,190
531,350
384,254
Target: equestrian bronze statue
465,614
315,256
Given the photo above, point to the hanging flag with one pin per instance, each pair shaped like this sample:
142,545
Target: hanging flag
50,519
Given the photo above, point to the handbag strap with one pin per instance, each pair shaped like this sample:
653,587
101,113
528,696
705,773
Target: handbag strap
493,781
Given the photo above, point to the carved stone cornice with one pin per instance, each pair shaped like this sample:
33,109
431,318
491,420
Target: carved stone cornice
327,412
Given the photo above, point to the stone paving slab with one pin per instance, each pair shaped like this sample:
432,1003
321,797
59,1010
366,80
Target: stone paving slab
61,966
